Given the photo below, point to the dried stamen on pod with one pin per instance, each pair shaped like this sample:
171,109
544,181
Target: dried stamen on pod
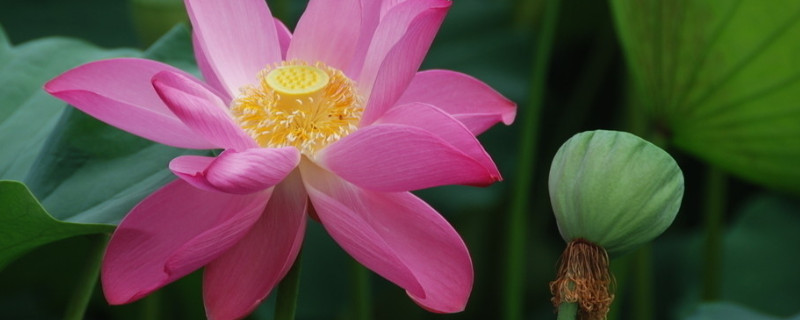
584,278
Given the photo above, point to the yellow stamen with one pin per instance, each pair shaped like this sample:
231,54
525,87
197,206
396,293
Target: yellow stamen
300,105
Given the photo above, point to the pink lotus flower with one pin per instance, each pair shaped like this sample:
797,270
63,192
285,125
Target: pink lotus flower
335,114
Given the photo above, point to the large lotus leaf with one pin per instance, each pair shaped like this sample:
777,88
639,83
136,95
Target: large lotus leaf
729,311
81,169
722,77
26,225
761,257
27,113
94,173
759,270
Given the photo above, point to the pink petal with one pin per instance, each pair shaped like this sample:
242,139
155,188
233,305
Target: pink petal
208,73
442,125
238,38
371,13
253,169
284,36
243,172
370,16
235,283
398,236
364,244
327,32
201,110
392,157
208,245
398,47
467,99
164,225
387,5
118,92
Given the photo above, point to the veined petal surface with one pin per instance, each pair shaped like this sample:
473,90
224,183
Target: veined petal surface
235,283
393,157
159,227
396,235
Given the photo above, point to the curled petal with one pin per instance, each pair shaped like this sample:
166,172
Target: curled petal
398,47
253,169
140,256
243,172
238,39
201,110
396,235
327,31
236,282
118,92
192,170
392,157
467,99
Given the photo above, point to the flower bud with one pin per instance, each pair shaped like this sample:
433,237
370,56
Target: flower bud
614,189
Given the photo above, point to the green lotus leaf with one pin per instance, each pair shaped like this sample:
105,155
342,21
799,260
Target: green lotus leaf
730,311
28,114
26,225
722,79
759,265
80,169
83,153
614,189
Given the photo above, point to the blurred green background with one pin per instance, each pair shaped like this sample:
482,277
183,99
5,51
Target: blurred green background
638,66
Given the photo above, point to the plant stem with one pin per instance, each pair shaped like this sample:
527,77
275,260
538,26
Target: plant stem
567,311
515,263
714,207
287,292
151,306
87,279
362,298
620,269
643,290
641,264
588,84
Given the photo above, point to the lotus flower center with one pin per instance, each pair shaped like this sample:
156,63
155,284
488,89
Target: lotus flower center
300,105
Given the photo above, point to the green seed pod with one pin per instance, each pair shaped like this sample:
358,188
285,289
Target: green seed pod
611,192
614,189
